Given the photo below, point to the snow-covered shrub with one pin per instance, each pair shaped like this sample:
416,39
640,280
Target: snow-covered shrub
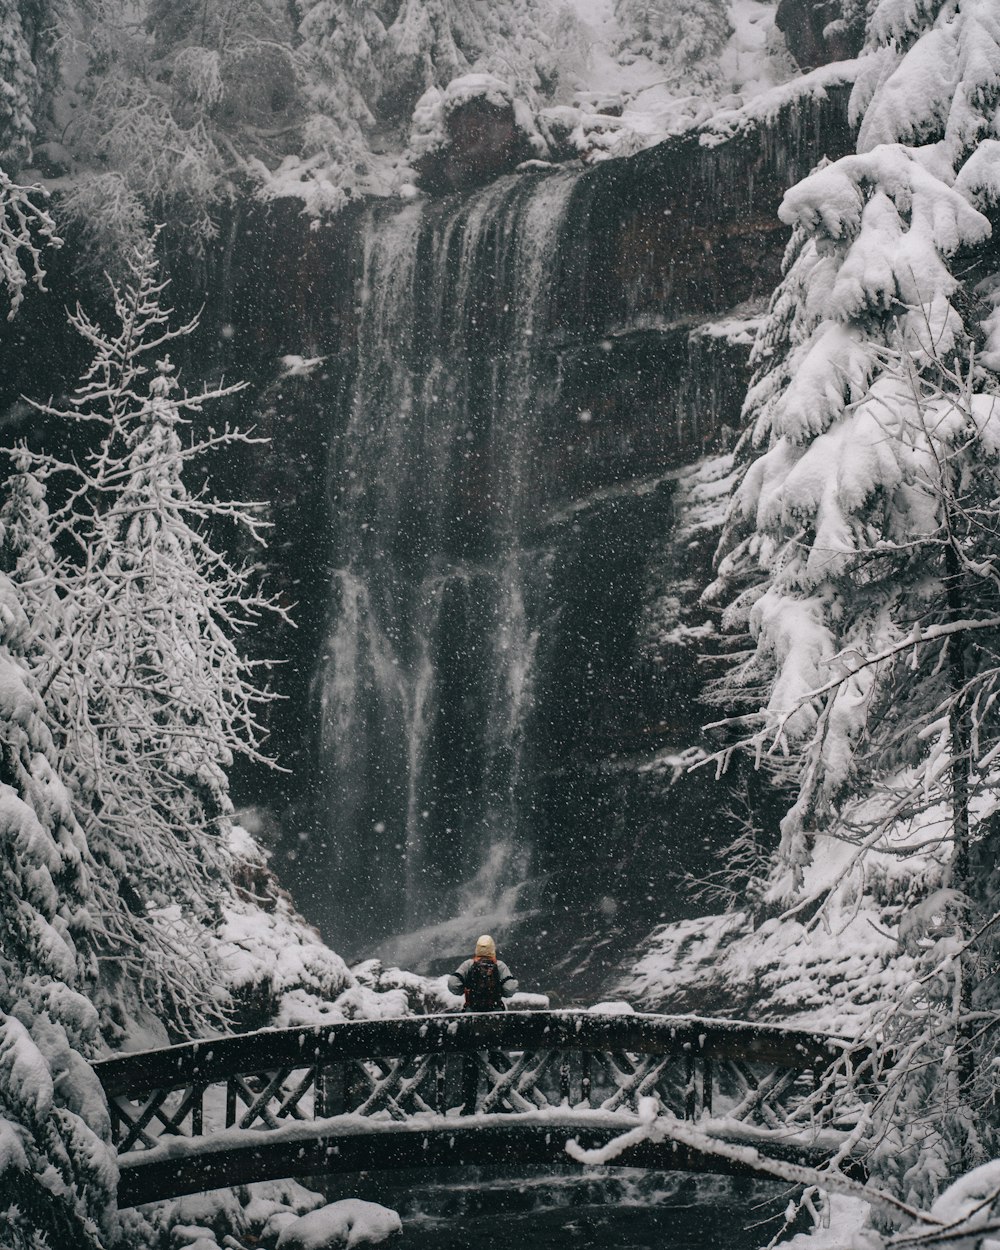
430,130
276,967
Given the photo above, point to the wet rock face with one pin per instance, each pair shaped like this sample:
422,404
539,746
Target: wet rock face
483,142
817,32
545,323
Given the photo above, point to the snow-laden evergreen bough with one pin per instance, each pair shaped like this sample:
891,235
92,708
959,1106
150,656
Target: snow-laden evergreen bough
861,556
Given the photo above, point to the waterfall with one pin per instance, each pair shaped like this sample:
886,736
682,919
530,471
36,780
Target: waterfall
435,481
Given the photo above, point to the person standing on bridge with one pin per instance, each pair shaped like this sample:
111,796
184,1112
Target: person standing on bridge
485,982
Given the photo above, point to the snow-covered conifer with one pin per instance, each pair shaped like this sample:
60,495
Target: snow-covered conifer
19,75
149,693
57,1170
834,489
860,549
28,557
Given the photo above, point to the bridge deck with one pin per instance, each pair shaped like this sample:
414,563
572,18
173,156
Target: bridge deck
385,1094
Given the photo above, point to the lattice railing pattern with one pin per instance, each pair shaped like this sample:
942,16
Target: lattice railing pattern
420,1066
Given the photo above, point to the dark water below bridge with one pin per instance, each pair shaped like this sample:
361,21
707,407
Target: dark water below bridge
489,1210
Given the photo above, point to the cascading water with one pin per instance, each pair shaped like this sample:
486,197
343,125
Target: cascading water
435,483
511,393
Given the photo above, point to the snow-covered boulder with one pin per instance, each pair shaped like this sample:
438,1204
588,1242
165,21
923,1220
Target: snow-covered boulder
349,1222
470,133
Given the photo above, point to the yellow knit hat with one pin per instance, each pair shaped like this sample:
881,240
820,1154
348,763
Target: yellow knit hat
486,947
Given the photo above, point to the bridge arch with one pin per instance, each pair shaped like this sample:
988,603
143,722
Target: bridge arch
385,1094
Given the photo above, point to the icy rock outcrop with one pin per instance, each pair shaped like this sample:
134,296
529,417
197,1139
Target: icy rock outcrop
470,133
817,33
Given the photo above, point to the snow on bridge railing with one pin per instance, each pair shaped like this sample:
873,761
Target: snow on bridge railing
530,1060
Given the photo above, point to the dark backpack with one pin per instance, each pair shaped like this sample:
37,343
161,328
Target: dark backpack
482,986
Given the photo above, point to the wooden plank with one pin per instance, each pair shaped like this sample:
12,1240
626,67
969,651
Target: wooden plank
507,1081
409,1086
172,1121
322,1097
257,1102
290,1103
382,1090
145,1118
127,1123
646,1074
489,1063
758,1091
198,1111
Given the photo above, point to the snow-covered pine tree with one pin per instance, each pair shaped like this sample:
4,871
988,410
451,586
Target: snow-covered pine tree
149,693
815,547
19,74
28,557
861,544
342,39
57,1171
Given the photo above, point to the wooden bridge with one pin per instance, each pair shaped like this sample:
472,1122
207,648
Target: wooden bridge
386,1094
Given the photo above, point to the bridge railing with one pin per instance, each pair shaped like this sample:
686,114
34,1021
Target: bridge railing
393,1069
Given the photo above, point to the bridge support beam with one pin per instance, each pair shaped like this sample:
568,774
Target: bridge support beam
182,1167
